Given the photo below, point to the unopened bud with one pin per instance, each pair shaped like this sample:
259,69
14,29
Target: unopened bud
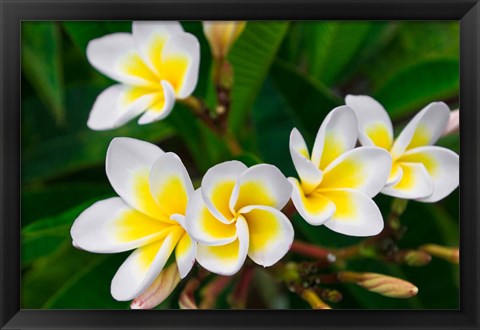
160,289
187,297
221,35
453,123
451,254
332,296
382,284
311,297
416,258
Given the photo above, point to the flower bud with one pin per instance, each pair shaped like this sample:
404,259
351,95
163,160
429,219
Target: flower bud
416,258
451,254
311,297
221,35
382,284
329,295
160,289
453,123
187,297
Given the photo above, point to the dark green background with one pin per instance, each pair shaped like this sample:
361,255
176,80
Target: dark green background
286,75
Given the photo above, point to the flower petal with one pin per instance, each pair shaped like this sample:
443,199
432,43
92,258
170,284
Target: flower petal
142,267
395,174
313,207
217,187
117,105
441,164
180,63
270,234
128,166
160,289
365,168
226,259
415,182
170,184
309,174
111,226
203,226
374,124
115,55
161,105
185,253
150,38
261,184
356,214
424,129
337,134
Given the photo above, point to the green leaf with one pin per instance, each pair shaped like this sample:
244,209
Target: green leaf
251,57
309,99
44,236
412,42
42,65
419,84
46,201
332,46
79,148
71,278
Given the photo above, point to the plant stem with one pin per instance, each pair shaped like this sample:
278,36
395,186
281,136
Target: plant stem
311,250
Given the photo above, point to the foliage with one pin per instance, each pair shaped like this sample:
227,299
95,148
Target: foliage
286,75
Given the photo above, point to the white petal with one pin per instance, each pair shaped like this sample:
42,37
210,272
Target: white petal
310,174
128,165
170,184
151,36
374,124
270,234
365,168
161,107
415,182
185,253
142,267
356,214
203,226
395,175
261,184
111,226
217,187
115,55
424,129
182,48
441,164
226,259
113,108
337,134
313,207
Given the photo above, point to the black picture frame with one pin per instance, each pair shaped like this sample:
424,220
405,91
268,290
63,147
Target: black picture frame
12,12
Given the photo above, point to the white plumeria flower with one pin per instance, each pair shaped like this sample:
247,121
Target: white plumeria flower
236,213
420,171
155,64
154,189
338,181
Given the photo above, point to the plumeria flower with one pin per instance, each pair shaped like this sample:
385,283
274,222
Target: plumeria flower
420,171
221,35
236,213
338,181
155,64
148,217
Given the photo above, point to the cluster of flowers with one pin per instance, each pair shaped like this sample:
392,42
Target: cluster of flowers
236,212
